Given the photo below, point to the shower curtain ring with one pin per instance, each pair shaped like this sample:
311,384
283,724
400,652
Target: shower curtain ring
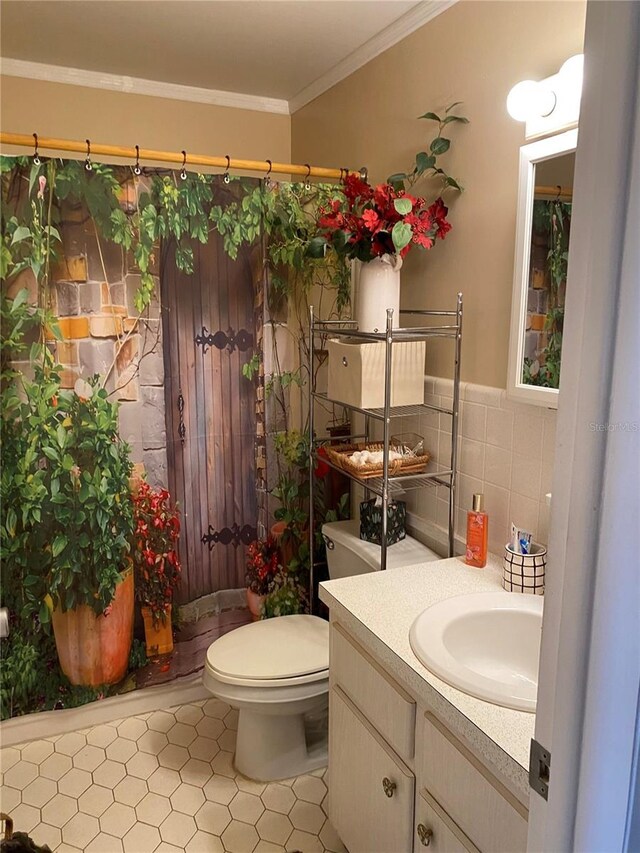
183,171
136,169
267,179
87,163
344,174
307,182
364,173
227,177
36,156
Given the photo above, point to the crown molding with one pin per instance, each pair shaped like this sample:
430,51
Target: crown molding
395,32
140,86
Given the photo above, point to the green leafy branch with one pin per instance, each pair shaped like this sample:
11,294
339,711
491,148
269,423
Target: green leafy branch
252,367
427,162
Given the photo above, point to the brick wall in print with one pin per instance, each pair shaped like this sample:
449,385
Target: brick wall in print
92,293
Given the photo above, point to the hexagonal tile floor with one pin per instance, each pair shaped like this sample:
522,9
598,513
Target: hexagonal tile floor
162,782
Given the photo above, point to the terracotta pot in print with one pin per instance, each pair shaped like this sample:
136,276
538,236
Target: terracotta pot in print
286,548
93,649
255,603
159,638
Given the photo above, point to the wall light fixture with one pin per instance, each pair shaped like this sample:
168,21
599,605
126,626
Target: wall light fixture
549,105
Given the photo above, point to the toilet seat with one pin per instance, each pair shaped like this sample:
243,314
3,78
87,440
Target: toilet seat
283,652
224,678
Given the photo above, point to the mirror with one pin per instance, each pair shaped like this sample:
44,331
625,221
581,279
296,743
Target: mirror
543,226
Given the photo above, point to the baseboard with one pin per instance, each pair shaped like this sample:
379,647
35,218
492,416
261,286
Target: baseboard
44,724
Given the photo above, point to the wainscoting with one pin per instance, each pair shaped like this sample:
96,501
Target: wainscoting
505,450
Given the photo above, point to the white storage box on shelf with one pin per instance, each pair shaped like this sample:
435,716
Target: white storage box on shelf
356,373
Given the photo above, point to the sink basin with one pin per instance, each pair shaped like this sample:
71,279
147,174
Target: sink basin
486,644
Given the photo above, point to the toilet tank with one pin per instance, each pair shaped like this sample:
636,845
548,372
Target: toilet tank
348,555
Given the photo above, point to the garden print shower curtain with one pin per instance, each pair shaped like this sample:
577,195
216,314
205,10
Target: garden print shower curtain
127,328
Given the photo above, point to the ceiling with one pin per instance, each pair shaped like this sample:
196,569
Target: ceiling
257,47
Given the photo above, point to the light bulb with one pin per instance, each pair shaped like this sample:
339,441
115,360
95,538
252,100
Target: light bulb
519,99
530,99
572,71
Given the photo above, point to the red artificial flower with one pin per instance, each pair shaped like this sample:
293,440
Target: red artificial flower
355,188
371,220
422,239
439,212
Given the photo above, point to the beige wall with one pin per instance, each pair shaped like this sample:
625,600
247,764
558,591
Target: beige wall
114,118
474,52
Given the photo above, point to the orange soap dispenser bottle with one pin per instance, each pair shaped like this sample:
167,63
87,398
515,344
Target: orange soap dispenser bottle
477,534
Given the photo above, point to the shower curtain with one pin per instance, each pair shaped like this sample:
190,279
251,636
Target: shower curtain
189,409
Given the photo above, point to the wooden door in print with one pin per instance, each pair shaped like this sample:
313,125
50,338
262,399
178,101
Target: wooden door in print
208,333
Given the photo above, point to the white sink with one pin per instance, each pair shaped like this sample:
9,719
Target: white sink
486,644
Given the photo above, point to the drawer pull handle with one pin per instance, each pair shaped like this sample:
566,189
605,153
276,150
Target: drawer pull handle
344,361
425,835
388,786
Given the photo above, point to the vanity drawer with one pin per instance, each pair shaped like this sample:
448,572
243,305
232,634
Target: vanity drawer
371,791
478,802
391,710
436,830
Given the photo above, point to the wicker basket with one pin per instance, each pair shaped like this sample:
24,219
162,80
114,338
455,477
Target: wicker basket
340,456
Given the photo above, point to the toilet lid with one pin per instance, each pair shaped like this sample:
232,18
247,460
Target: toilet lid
283,647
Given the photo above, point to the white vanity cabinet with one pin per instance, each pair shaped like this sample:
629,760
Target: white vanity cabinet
371,750
399,780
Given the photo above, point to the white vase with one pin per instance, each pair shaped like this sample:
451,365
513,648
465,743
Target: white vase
378,289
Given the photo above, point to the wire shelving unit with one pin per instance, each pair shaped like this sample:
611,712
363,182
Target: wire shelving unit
446,324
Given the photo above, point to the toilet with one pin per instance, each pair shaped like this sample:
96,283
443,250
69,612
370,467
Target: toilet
349,555
276,671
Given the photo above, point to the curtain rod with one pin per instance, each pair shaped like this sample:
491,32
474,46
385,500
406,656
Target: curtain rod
26,141
554,192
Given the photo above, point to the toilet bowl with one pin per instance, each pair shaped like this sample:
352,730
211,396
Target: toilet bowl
276,671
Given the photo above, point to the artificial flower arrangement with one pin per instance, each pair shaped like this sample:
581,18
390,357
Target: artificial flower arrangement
263,564
155,555
381,220
367,222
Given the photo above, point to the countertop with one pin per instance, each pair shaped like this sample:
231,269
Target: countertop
378,608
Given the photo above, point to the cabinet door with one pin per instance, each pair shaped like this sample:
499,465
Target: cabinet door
436,830
476,800
371,791
388,707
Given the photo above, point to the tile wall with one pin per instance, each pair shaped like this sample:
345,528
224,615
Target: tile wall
505,450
